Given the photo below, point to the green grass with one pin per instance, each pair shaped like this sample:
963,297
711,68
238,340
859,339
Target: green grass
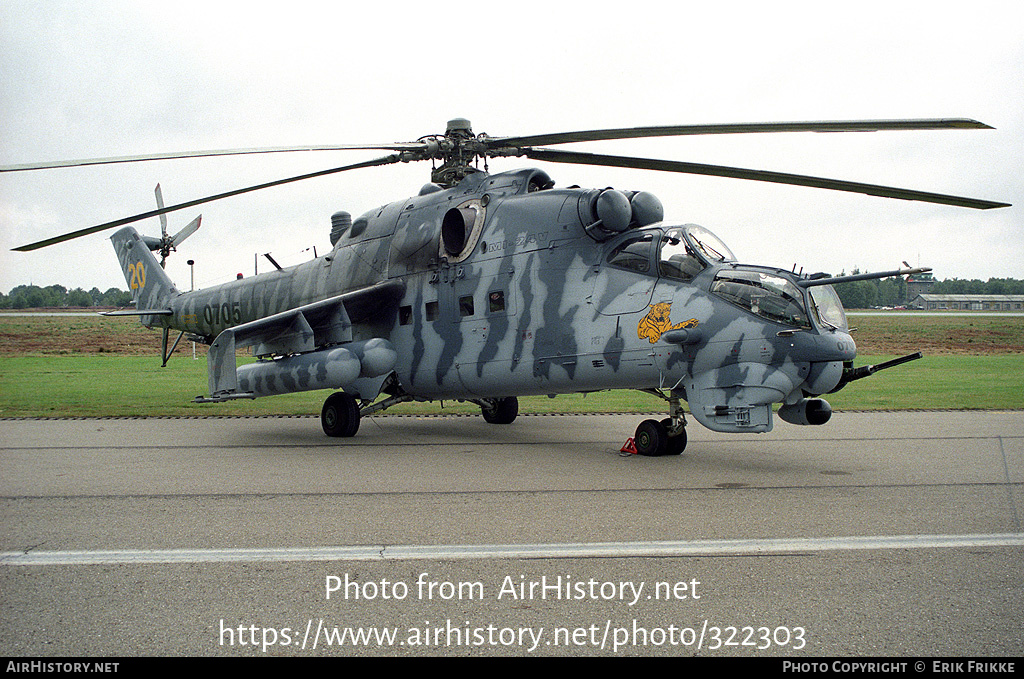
993,382
105,385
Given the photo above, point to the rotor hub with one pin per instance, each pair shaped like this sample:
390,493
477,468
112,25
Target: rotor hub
458,150
459,127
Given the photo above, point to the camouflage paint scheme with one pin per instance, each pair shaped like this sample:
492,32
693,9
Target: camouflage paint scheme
534,294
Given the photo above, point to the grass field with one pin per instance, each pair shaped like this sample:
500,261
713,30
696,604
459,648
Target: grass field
89,367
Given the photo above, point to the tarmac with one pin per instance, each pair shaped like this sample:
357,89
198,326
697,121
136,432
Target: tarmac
877,534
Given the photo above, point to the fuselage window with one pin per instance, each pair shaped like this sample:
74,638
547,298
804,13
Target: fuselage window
633,254
404,315
432,311
496,301
466,306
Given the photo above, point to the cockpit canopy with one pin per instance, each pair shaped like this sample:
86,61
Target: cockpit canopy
766,295
707,245
683,252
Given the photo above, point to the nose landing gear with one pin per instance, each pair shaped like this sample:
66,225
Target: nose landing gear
665,437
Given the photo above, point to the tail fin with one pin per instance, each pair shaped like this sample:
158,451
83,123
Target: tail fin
150,287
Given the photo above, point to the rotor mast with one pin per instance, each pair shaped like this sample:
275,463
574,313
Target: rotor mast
458,149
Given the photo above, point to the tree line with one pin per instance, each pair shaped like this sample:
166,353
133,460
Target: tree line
57,296
892,292
889,292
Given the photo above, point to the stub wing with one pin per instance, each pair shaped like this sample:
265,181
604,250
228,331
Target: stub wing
139,312
306,348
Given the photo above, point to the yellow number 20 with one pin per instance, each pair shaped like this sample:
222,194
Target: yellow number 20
137,274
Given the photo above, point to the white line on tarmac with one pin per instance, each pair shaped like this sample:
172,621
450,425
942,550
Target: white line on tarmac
538,551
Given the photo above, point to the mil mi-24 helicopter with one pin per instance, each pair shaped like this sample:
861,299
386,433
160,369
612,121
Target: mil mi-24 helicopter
485,287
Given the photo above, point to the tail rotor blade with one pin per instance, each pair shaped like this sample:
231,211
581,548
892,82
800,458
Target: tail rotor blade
189,229
160,206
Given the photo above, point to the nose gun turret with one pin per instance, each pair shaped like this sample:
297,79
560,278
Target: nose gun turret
850,373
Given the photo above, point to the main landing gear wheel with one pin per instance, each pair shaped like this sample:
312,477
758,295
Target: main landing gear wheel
651,438
504,410
340,415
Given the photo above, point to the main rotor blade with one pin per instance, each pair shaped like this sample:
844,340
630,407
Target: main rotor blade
737,128
410,146
386,160
554,156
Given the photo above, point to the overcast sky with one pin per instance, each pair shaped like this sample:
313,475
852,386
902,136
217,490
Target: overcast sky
89,78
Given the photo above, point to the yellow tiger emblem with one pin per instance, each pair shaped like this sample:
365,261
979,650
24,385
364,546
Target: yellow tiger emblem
657,322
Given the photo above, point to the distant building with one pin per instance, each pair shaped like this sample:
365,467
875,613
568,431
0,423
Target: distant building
930,302
919,284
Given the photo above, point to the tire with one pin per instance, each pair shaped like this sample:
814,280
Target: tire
340,415
504,411
675,445
651,438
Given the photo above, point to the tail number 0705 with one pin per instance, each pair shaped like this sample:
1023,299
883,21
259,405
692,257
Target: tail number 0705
228,313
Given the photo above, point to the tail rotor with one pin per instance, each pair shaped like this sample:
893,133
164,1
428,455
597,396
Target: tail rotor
167,244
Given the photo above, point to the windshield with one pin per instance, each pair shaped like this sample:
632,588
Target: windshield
708,245
772,297
828,308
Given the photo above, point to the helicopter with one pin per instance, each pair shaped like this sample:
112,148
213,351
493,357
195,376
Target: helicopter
486,287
